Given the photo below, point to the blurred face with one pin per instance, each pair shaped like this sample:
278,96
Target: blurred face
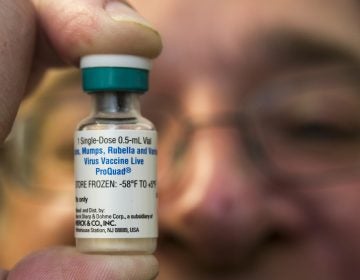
258,112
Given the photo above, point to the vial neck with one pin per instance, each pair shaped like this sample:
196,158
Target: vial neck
117,102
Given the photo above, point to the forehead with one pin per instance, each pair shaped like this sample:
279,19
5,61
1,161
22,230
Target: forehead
194,30
226,46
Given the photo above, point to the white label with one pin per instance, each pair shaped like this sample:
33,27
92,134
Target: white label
115,179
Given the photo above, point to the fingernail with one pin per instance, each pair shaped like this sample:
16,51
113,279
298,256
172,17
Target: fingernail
121,12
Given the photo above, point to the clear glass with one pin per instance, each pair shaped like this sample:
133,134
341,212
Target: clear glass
113,111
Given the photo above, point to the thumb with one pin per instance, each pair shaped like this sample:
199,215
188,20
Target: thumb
66,263
79,27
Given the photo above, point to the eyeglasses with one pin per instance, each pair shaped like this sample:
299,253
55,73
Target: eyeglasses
303,127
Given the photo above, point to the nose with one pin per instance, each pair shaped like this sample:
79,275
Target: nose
218,208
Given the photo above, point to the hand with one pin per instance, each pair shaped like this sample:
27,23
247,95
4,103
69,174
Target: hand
66,263
44,33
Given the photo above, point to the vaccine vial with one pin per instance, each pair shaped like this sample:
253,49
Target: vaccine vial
115,160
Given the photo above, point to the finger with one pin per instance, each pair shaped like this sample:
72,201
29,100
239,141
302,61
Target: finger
79,27
17,33
66,263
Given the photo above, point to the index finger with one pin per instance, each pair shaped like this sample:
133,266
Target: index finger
79,27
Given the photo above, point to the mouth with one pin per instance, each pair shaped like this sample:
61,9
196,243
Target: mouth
219,260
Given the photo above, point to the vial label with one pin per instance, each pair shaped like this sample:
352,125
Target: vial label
115,175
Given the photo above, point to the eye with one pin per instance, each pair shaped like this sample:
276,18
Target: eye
321,131
307,124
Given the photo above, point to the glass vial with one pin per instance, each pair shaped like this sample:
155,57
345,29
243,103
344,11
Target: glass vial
115,160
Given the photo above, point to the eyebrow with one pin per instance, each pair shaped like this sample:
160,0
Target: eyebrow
300,49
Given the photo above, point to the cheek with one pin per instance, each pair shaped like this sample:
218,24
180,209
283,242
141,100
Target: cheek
53,160
334,215
52,173
54,179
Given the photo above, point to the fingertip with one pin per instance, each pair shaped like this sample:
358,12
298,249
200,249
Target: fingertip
66,263
79,27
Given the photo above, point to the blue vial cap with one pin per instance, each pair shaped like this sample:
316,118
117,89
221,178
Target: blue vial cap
109,72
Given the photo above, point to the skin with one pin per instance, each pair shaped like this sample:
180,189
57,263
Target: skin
58,41
222,217
62,35
218,217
